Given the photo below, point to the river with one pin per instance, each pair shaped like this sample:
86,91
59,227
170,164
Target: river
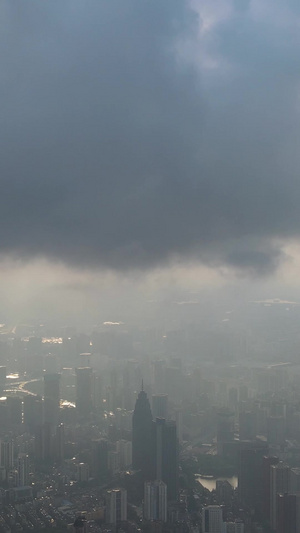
210,482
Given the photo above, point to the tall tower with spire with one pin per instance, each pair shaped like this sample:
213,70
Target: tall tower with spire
142,436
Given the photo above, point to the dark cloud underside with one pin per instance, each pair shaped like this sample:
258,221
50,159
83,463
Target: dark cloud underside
117,152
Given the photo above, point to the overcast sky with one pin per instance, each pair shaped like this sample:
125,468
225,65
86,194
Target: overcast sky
139,135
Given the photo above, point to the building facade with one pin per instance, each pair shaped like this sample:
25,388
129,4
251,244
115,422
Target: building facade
212,519
116,506
155,501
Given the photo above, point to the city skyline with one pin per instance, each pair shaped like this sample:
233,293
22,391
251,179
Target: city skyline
149,266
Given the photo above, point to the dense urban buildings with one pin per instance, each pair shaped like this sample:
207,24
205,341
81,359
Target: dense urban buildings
84,441
212,519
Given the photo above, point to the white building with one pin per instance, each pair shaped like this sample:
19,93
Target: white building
23,470
160,406
114,461
116,506
124,448
83,472
155,501
212,519
234,527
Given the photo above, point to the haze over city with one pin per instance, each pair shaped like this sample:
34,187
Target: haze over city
149,266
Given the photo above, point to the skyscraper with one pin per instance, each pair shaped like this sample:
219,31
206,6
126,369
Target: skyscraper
178,417
225,428
51,399
166,455
116,506
251,474
7,454
155,501
33,412
295,480
212,519
83,472
23,470
14,408
160,406
142,437
2,379
124,448
279,484
84,391
268,461
288,507
100,458
159,375
44,441
155,447
60,443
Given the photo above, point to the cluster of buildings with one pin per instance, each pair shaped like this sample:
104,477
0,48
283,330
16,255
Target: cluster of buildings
78,422
212,521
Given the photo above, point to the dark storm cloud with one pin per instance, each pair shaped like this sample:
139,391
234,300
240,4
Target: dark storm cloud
118,152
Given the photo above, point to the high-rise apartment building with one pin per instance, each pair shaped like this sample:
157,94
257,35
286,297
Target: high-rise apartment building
294,480
14,410
247,425
225,428
100,458
178,417
288,513
83,472
2,379
84,391
160,406
114,462
124,448
212,519
116,506
155,501
23,470
276,430
279,484
51,399
224,492
60,443
251,474
166,455
268,461
159,375
33,412
7,454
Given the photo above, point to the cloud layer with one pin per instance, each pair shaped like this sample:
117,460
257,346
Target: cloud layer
137,132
